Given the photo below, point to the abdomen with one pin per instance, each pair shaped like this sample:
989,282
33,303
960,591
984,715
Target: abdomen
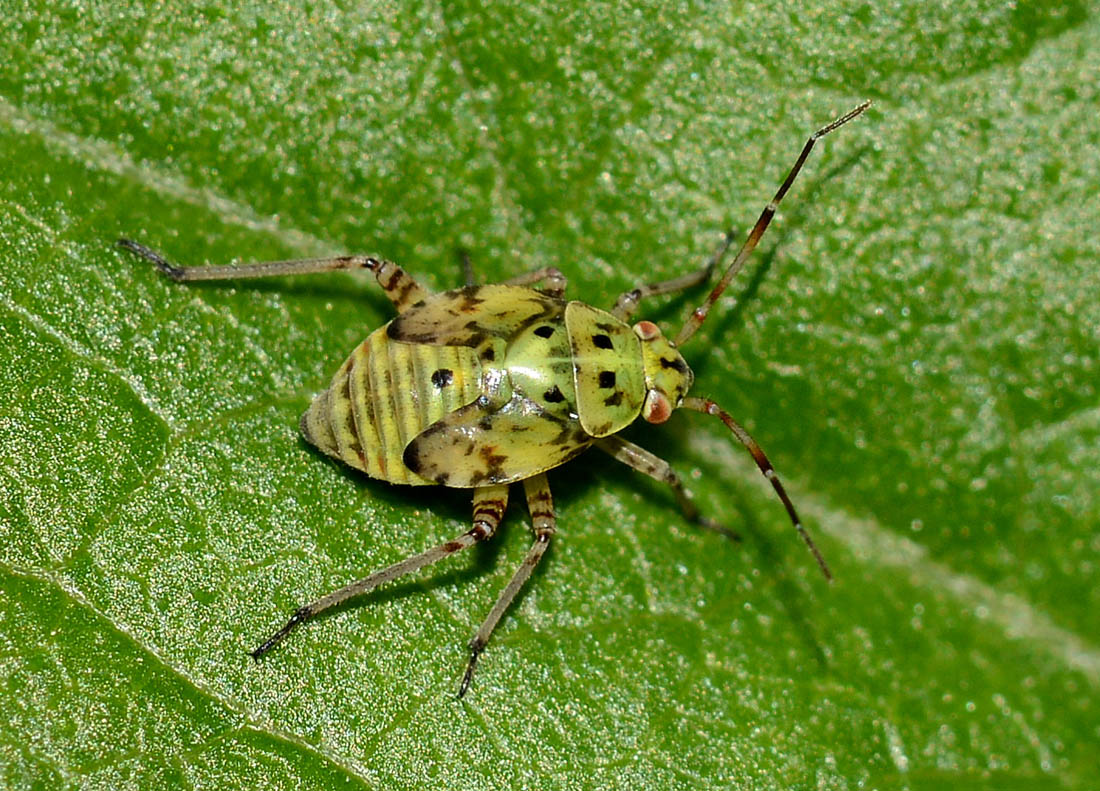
383,396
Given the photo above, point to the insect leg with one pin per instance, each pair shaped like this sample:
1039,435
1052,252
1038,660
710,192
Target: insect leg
399,286
550,275
627,303
468,276
543,525
708,407
489,505
657,468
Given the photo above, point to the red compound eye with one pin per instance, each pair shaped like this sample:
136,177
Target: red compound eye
646,330
656,408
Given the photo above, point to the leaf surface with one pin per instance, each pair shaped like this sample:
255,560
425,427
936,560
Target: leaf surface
915,344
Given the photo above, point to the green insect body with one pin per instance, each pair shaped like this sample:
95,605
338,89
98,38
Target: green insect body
525,383
485,386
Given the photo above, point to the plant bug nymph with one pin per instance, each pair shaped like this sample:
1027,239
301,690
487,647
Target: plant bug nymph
485,386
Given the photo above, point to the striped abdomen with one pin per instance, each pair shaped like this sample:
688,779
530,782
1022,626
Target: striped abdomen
386,394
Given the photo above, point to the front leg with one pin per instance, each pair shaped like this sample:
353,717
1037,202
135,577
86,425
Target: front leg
658,469
398,285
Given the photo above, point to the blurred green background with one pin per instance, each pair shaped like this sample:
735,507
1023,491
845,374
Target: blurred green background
915,344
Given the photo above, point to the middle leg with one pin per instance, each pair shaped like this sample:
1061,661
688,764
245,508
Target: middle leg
550,275
627,303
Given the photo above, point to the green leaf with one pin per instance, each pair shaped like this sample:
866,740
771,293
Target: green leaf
915,343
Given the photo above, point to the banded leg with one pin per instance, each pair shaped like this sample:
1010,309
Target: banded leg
489,505
543,525
550,275
658,469
627,303
708,407
398,285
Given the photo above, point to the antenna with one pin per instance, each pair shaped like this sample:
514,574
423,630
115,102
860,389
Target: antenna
697,316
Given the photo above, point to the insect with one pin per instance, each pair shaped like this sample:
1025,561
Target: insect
485,386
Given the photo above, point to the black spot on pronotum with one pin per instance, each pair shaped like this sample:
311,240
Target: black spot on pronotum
554,395
607,378
602,342
545,331
442,377
488,355
679,365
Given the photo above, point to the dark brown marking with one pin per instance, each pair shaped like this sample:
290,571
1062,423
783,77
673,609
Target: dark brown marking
349,420
603,325
489,509
489,355
452,546
569,433
554,395
679,365
470,300
545,331
411,458
607,379
614,399
494,462
406,287
442,377
393,330
603,341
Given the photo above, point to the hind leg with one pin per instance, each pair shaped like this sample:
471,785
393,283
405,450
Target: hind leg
543,525
489,505
398,285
